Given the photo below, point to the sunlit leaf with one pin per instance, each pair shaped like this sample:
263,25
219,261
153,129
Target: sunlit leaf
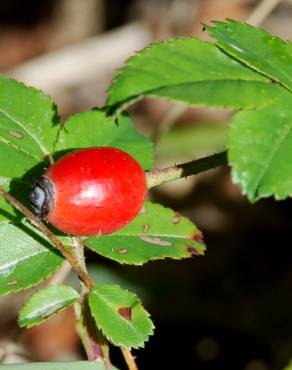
257,48
190,71
120,315
260,153
94,128
26,257
156,233
45,303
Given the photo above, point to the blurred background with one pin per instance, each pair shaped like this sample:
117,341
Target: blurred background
230,309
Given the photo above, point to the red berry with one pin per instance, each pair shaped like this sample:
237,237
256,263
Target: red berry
91,191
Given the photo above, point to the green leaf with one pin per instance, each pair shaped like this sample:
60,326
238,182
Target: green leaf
27,136
260,153
120,315
74,365
45,303
256,48
27,130
94,128
26,257
191,71
155,234
219,94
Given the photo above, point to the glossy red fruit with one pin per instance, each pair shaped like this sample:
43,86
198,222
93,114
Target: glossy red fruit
92,191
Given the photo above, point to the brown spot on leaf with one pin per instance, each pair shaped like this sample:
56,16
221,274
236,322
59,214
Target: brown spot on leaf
154,240
193,251
16,134
12,282
198,237
146,228
176,218
126,313
123,251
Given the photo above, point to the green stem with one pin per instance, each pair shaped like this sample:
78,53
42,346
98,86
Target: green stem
95,345
159,176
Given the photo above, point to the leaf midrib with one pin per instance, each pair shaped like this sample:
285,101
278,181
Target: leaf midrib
17,148
43,149
38,312
125,102
270,160
108,304
230,50
151,235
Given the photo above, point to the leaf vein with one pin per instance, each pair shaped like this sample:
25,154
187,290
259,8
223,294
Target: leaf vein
44,150
262,174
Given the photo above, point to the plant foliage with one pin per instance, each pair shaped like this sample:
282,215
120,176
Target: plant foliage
246,69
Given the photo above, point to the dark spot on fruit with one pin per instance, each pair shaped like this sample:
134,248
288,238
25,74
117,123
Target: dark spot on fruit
198,237
42,196
16,134
146,228
123,251
126,313
176,218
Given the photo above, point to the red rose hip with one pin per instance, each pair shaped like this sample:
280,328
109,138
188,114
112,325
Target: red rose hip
92,191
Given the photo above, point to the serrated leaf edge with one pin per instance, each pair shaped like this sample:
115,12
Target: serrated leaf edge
115,109
42,95
144,338
236,56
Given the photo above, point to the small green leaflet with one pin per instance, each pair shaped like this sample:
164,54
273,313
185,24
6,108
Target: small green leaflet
94,128
74,365
156,233
120,315
45,303
191,71
26,257
256,48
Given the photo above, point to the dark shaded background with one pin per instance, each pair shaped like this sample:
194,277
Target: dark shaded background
230,309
